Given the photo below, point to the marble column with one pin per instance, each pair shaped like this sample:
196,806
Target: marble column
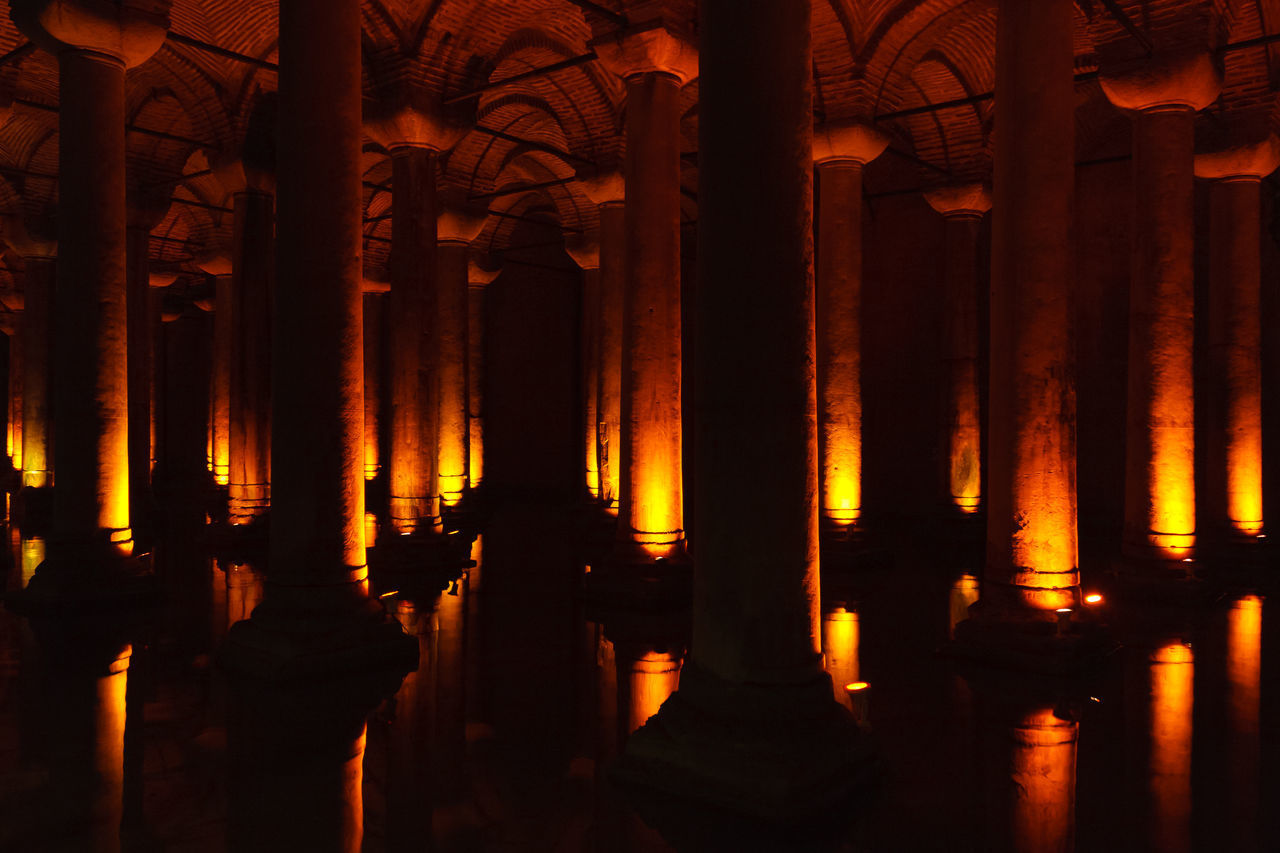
39,271
754,698
455,230
93,49
145,213
1233,459
840,152
13,329
375,324
963,207
586,254
1162,96
477,279
1032,546
655,64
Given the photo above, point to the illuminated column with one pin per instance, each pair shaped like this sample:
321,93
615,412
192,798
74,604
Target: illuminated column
607,191
963,207
1043,776
220,267
841,635
249,356
477,278
39,265
1031,523
1233,462
13,328
655,64
91,503
1244,698
840,152
145,213
586,254
316,615
646,677
1172,681
1160,501
455,231
753,696
375,324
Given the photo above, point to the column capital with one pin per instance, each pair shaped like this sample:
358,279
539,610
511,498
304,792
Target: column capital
1176,80
161,278
648,48
408,126
373,285
130,31
602,187
848,142
478,277
30,236
1239,145
585,251
239,174
216,264
960,200
455,225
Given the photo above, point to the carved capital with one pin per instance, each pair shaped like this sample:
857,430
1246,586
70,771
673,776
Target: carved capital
1189,79
455,225
648,48
854,142
129,30
960,200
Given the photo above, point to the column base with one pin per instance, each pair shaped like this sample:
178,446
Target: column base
239,542
628,578
772,752
847,550
1157,581
1031,641
469,514
85,581
280,643
419,562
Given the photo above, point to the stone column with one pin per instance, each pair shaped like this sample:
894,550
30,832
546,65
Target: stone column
316,615
586,254
93,47
220,373
477,279
1162,96
1233,458
455,230
1032,550
13,329
754,697
608,191
655,64
375,324
840,152
963,208
39,264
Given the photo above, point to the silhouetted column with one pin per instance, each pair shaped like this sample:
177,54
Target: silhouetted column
455,231
655,65
840,152
607,191
39,271
1032,550
91,504
963,207
586,254
249,386
1160,502
477,279
1233,458
756,622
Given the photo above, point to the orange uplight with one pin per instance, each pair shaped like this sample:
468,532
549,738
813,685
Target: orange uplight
841,636
371,465
1093,598
453,462
1044,781
657,505
843,495
1172,682
856,686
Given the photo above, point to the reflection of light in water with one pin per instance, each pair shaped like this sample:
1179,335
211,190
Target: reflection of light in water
32,556
653,677
1172,677
964,592
1244,677
1044,783
370,528
840,637
244,591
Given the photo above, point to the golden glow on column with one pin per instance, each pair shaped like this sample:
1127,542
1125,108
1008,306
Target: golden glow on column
840,639
33,552
656,512
370,527
453,462
1044,783
653,678
1172,681
370,455
964,592
1244,470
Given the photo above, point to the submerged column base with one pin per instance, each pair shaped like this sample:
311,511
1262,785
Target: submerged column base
85,580
628,576
1002,633
773,752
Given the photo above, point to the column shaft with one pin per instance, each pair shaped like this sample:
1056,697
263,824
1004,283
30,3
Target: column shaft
220,380
139,357
1031,529
591,378
1160,502
249,453
613,272
652,491
839,296
451,322
37,349
960,350
374,326
91,503
475,383
17,341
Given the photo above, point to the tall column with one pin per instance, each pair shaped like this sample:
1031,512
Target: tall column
1233,459
375,324
608,191
756,621
220,374
1160,502
477,279
963,208
316,614
91,503
586,254
145,213
840,152
455,231
13,327
1032,551
39,265
249,380
655,64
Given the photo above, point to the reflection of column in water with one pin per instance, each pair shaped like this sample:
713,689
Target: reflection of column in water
1044,783
244,591
651,676
1244,677
964,592
410,756
840,637
451,724
32,557
608,742
472,642
1172,676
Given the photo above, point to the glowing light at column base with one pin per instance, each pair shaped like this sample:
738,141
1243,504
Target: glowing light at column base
1173,546
969,505
844,504
452,487
841,632
35,479
1248,528
593,483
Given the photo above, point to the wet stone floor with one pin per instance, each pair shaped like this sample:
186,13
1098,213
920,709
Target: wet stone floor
502,739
